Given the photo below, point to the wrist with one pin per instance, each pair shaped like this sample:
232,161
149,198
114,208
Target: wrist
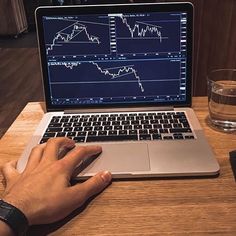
13,217
18,203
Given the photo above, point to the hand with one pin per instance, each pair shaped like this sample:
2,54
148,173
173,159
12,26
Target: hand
42,191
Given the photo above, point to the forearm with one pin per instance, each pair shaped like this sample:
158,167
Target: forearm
5,230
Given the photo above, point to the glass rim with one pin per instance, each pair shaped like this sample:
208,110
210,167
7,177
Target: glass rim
219,70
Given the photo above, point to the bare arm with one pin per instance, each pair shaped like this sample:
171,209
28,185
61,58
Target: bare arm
43,192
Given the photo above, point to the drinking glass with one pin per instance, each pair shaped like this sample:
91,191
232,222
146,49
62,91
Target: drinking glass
222,99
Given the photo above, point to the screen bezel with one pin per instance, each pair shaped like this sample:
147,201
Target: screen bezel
114,8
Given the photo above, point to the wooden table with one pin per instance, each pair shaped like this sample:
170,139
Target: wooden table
197,206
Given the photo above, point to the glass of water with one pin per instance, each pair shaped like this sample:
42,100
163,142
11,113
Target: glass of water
222,99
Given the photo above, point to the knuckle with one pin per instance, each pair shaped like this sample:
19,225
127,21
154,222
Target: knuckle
60,166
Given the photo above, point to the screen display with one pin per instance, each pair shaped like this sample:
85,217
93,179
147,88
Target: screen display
116,58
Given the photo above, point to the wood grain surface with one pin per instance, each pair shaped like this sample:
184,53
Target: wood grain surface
193,206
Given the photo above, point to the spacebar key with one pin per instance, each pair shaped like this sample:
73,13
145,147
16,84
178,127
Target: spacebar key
103,138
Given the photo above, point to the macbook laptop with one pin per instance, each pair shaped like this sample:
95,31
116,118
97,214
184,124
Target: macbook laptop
120,76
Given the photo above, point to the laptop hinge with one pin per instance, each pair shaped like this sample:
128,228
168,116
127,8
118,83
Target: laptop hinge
111,110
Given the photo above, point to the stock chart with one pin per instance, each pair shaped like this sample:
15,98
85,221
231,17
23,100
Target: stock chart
116,57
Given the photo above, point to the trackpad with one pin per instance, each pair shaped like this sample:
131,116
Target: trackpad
120,157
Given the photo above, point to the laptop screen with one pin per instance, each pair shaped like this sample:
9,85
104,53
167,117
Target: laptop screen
116,55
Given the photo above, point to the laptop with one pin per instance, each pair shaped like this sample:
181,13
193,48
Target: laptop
120,76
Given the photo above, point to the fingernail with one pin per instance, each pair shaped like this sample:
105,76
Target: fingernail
106,176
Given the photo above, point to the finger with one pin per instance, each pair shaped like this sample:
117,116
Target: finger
74,157
9,171
93,186
54,146
35,157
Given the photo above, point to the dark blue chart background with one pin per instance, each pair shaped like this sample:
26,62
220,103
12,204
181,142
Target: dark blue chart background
148,42
81,68
80,43
86,81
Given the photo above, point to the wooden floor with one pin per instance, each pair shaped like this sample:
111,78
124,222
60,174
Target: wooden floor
20,82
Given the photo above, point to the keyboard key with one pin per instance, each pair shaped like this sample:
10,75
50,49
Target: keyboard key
71,134
49,135
96,123
53,129
180,130
108,127
81,133
88,128
67,124
117,127
156,136
143,131
178,136
153,131
134,122
111,118
123,132
157,126
106,123
177,125
125,122
112,132
52,125
94,133
163,131
128,127
102,133
87,124
61,134
78,128
64,120
130,118
133,131
111,138
138,126
55,120
115,123
78,124
189,137
145,137
147,126
68,129
79,139
97,128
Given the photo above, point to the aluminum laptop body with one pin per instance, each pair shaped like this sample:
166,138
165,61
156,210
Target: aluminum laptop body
110,61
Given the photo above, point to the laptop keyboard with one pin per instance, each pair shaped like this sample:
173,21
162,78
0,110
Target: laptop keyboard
120,127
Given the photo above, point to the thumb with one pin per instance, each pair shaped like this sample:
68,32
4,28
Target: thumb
92,186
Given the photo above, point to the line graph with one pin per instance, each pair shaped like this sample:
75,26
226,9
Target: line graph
121,71
142,29
146,34
113,73
115,57
114,79
76,37
77,30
